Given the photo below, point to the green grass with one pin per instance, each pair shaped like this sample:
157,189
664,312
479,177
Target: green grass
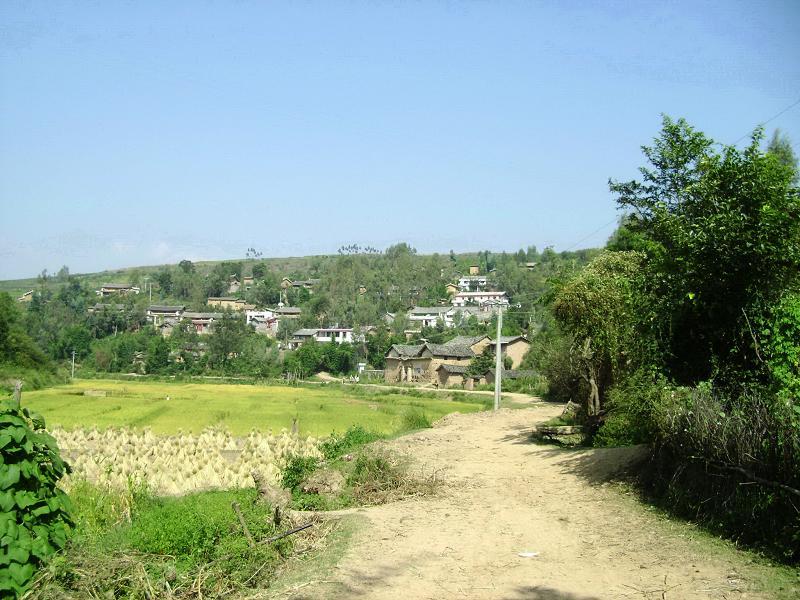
320,410
130,545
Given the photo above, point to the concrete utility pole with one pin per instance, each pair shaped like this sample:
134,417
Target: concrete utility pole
498,360
73,364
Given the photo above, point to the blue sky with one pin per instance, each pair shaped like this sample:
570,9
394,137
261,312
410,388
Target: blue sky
146,132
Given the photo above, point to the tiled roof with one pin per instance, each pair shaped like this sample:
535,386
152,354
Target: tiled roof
453,369
407,350
450,349
305,332
430,310
507,339
165,308
202,315
466,340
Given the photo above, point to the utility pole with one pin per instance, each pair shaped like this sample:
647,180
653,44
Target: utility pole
73,364
498,360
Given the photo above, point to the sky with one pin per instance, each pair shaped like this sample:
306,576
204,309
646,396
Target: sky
139,133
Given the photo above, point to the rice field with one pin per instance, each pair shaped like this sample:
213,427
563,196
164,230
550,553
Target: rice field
172,408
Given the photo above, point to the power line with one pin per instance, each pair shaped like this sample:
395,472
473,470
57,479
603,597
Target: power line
772,118
614,220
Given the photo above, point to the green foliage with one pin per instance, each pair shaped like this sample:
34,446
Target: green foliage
723,231
780,341
597,308
16,346
780,146
157,356
34,513
226,340
355,436
725,459
415,418
297,469
481,363
130,545
196,528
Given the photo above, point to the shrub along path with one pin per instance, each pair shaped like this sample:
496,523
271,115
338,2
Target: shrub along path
505,496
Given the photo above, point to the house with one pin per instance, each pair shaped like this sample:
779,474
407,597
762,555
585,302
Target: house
338,335
265,322
428,316
229,302
474,270
480,299
452,289
530,266
451,375
233,285
287,312
99,307
26,297
248,281
473,283
516,347
419,362
202,322
122,289
307,284
158,314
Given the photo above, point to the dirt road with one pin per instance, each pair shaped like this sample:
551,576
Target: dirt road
505,497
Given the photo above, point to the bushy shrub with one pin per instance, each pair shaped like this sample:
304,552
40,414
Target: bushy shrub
632,407
731,462
415,418
34,513
297,470
355,436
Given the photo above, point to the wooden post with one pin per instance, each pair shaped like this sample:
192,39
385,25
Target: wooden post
17,397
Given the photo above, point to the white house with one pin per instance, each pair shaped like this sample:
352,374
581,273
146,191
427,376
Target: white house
109,289
473,283
338,335
480,299
158,314
428,316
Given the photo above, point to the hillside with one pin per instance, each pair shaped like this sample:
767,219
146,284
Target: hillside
297,266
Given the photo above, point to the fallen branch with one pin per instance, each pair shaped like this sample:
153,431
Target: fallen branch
287,533
749,474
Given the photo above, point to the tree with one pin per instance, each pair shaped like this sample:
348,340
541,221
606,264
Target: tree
157,356
226,340
781,148
164,279
481,363
259,270
597,309
186,266
723,248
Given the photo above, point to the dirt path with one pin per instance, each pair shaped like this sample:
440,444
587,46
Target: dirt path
505,496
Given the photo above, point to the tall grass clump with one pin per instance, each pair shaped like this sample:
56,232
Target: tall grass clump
733,463
415,418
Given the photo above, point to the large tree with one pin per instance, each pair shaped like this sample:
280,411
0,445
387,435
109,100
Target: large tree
723,244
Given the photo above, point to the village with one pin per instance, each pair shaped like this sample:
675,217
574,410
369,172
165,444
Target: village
423,363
